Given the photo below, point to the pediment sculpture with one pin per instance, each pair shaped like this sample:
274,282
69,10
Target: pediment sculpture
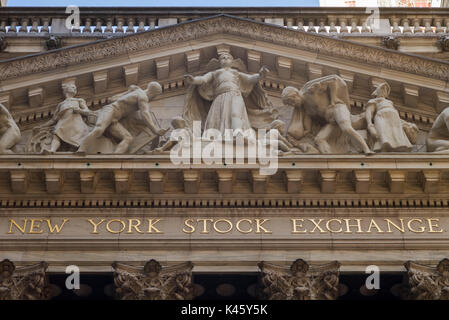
153,282
322,120
438,137
226,97
427,283
125,125
9,131
26,283
300,281
230,101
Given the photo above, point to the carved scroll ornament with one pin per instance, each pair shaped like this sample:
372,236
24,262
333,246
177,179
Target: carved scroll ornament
427,283
27,283
153,282
301,281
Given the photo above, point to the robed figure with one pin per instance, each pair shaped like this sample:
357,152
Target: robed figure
228,98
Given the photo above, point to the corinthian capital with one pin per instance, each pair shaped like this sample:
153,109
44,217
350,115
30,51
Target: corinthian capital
427,283
153,282
27,283
301,281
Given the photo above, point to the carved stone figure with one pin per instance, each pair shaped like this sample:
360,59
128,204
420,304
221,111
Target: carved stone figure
384,125
67,124
153,282
324,100
9,131
438,137
27,283
300,281
427,283
238,100
278,128
178,123
132,106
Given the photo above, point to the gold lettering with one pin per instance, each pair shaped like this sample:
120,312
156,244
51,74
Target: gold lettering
431,225
205,224
237,225
13,222
358,225
317,226
35,224
56,227
328,227
134,224
259,223
374,224
187,224
151,226
409,225
95,225
391,223
223,231
297,223
115,231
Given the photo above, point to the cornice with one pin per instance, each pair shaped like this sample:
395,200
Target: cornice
303,181
224,24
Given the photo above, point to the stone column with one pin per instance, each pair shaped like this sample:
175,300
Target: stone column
426,282
26,283
153,282
301,281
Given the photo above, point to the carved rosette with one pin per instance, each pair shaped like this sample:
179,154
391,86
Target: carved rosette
27,283
427,283
53,42
301,281
153,282
443,43
391,42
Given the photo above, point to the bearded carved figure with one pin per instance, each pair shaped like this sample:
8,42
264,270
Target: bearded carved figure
27,283
300,281
427,283
323,102
322,122
153,282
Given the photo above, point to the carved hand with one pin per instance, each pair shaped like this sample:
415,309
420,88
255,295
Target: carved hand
372,131
161,132
263,71
189,78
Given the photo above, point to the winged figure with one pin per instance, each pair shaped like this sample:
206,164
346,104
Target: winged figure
228,98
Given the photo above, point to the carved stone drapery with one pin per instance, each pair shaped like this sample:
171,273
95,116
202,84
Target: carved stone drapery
300,281
27,283
427,283
153,282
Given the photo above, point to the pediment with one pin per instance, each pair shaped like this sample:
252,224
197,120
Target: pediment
31,85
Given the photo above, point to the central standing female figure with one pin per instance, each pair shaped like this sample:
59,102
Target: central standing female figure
226,88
